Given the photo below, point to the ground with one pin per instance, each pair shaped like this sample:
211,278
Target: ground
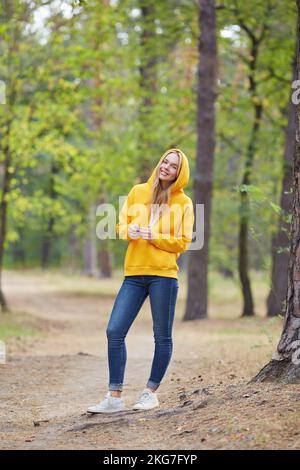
56,366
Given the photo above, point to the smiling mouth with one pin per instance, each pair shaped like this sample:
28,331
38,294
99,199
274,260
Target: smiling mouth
164,173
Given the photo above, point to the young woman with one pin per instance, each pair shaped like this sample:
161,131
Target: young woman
157,219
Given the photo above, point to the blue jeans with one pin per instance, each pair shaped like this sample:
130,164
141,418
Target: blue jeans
134,290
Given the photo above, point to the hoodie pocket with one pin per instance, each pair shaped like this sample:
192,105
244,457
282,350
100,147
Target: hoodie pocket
141,253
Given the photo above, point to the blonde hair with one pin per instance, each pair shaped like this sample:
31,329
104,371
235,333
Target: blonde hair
160,195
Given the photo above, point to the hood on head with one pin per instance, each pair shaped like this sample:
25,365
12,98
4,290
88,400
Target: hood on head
184,172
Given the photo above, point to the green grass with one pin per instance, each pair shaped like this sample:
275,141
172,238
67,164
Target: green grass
10,330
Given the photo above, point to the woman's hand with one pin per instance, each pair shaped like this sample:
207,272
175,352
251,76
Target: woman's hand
146,233
134,231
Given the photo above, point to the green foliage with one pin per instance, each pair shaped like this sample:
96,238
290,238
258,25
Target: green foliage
90,98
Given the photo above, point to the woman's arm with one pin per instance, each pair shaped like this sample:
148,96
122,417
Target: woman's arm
180,243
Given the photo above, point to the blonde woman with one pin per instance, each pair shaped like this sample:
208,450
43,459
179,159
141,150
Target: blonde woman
157,219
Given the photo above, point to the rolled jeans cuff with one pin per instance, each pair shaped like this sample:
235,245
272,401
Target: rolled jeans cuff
153,385
118,387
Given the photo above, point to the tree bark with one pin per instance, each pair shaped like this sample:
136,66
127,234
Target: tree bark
280,241
243,258
284,366
104,262
197,297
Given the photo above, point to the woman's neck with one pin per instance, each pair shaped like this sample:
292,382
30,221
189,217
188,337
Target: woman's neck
165,184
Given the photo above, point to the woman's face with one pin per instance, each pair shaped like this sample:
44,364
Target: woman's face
169,167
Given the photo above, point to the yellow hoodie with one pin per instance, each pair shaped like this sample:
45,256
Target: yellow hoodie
172,231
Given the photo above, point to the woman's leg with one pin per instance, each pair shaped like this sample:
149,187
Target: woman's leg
163,296
127,305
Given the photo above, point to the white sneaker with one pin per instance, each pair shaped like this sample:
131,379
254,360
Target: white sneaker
108,405
146,401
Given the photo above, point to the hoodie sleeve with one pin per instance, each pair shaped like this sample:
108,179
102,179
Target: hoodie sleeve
180,243
125,219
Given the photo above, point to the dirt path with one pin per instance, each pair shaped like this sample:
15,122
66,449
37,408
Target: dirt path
49,380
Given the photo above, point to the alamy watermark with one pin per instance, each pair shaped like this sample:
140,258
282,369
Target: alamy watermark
2,92
296,93
296,354
177,216
291,351
2,352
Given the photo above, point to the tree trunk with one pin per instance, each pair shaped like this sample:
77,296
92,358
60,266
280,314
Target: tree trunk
46,244
48,235
8,14
102,256
104,263
285,364
243,259
90,253
74,250
197,297
3,209
148,85
280,241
